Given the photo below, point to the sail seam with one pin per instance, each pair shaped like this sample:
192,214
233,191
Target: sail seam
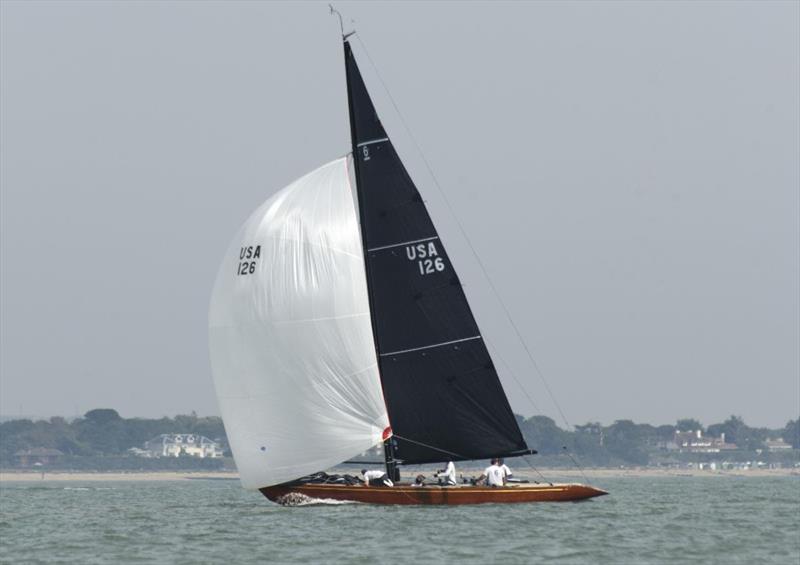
431,346
371,141
401,244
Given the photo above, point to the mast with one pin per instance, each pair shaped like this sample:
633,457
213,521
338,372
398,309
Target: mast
389,443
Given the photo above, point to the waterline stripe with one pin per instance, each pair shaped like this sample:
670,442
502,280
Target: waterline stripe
371,141
430,346
401,244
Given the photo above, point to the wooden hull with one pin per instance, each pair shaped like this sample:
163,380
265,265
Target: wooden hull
405,494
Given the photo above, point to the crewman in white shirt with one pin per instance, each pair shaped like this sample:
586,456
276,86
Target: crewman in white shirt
448,475
375,478
494,475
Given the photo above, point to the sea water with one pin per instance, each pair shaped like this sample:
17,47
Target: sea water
644,520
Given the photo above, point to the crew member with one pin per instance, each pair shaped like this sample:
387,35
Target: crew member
375,478
493,475
447,476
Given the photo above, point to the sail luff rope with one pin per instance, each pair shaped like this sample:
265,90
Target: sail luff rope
465,236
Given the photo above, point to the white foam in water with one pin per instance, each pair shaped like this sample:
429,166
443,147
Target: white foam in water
298,499
88,488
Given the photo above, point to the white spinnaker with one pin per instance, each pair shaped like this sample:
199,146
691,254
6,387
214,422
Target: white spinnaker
291,344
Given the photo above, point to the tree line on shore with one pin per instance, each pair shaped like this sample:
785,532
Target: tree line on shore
624,442
102,438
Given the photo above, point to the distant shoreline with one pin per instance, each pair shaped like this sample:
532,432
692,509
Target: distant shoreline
30,476
549,474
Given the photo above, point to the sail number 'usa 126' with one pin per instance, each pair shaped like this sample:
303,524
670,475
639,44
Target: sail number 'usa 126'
247,259
427,258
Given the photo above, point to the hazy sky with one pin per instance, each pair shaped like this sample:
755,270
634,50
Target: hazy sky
629,174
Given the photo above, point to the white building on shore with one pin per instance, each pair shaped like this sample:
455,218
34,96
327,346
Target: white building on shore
695,442
182,445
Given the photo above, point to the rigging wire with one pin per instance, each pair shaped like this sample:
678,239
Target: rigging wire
465,236
525,391
430,447
524,457
513,375
537,471
578,465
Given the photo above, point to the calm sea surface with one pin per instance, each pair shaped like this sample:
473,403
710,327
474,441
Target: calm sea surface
644,520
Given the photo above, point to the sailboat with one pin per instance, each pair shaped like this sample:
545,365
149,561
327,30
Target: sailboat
338,323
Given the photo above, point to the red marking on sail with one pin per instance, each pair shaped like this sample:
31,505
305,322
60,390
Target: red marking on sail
387,433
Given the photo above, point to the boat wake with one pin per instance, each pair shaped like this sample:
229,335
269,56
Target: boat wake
298,499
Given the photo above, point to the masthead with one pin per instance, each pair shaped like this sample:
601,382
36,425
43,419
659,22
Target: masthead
341,24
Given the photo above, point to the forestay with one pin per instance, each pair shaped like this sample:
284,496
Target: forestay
291,343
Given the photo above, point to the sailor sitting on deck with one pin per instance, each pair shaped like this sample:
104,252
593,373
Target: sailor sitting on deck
376,479
447,476
493,475
419,481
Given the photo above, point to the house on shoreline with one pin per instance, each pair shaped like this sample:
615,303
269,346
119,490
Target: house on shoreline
37,456
777,445
181,445
694,442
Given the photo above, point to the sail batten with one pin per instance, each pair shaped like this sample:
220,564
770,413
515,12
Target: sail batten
442,392
429,346
401,244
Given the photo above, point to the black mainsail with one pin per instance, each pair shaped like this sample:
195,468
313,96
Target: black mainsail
442,392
